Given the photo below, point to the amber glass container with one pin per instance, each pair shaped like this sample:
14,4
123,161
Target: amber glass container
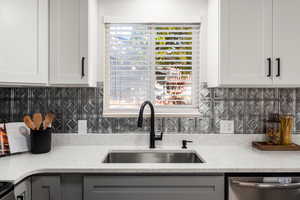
272,129
286,127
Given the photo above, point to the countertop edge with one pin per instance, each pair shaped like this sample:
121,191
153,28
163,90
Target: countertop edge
148,171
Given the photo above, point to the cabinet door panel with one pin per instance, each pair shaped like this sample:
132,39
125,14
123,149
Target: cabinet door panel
68,41
24,41
23,190
246,42
287,41
46,188
8,196
154,187
71,185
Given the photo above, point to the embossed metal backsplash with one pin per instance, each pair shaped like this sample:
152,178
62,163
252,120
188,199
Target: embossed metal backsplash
247,107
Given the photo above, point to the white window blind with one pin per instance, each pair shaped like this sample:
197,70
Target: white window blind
157,62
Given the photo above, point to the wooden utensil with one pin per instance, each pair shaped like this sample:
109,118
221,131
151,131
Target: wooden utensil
48,120
37,120
29,123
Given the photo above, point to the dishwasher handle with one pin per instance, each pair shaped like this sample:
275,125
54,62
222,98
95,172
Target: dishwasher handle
265,185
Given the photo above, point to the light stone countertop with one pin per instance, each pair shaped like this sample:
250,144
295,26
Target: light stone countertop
88,159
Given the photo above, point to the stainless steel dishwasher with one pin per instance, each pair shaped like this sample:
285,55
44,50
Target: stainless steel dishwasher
263,188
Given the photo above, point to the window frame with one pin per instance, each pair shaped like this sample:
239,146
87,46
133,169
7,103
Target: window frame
161,111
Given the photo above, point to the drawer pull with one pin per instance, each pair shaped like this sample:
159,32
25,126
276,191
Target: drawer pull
266,185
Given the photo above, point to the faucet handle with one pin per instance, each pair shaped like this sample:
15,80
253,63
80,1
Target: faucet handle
159,137
184,143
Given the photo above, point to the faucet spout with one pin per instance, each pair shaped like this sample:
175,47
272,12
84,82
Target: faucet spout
152,122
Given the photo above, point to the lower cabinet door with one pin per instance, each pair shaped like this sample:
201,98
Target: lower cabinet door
10,196
46,188
153,188
22,190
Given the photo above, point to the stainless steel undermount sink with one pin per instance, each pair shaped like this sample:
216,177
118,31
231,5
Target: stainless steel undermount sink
152,157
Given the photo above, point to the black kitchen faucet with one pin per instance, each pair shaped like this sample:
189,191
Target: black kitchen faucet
152,123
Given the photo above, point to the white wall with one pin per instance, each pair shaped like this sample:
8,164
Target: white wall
158,9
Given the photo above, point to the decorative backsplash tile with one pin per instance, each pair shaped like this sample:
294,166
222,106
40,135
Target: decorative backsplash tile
171,125
270,106
187,125
254,93
270,93
236,108
236,93
246,106
205,108
204,125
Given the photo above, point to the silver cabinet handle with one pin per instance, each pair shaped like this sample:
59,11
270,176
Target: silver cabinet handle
266,185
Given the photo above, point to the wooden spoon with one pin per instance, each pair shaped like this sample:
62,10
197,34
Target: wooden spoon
29,123
37,120
48,119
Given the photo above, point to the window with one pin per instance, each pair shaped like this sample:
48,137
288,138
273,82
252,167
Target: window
156,62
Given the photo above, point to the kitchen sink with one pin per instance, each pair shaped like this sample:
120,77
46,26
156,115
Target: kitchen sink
152,157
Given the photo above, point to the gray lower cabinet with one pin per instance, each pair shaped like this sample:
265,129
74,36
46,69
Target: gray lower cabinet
121,187
154,187
8,196
71,185
23,190
46,188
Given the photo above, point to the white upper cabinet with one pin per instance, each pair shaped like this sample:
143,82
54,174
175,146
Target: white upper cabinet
23,42
69,42
73,42
287,43
245,38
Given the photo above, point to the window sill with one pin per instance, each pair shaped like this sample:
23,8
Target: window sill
128,114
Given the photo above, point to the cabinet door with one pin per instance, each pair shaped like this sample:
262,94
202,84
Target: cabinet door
154,187
71,186
24,41
287,42
8,196
46,188
245,42
23,190
68,41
